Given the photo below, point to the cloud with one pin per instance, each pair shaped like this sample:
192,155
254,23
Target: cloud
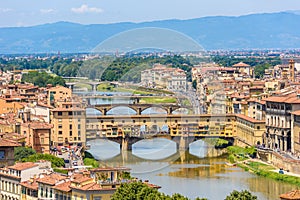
4,10
46,11
86,9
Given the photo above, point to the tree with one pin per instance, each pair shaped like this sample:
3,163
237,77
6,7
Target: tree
140,191
259,70
55,161
243,195
194,84
23,152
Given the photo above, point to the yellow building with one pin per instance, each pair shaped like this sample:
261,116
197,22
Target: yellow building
68,126
249,131
9,107
59,93
295,132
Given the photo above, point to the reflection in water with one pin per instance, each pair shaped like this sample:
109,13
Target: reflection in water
189,174
144,149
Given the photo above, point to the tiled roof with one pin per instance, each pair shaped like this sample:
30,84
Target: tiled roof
241,64
91,187
295,194
8,143
51,179
296,112
80,178
250,119
38,125
23,166
65,187
31,184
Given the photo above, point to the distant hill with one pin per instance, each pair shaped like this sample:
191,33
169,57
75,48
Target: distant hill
257,31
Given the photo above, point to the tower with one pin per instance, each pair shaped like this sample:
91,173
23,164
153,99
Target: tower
292,70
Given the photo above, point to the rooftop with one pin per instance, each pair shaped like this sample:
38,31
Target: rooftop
23,166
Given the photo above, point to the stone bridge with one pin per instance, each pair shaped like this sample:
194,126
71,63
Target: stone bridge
182,142
93,84
138,108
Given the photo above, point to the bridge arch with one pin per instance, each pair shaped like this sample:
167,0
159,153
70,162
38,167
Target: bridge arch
159,110
126,110
181,110
93,112
154,149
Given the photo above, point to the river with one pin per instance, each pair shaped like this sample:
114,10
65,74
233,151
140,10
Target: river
190,173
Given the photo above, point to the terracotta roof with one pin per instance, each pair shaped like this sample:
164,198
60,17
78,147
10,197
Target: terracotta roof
91,187
250,119
32,184
295,194
38,125
241,64
80,178
8,143
23,166
296,112
65,187
51,179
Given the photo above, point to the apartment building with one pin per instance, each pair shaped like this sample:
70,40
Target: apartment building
278,120
12,176
37,135
68,126
160,76
249,131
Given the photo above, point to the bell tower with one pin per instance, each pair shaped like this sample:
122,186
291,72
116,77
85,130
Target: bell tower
292,70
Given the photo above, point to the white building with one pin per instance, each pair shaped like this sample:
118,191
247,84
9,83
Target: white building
160,76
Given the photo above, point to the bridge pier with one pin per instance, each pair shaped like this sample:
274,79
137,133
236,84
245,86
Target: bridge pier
182,143
170,110
94,87
126,145
139,111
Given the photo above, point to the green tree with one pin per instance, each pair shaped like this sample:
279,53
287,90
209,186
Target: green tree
243,195
194,84
259,70
140,191
23,152
55,161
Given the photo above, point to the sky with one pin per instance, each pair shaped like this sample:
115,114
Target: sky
34,12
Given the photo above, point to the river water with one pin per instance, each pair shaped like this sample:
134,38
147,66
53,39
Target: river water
190,173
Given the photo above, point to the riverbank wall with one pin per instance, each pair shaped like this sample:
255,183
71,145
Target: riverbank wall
279,160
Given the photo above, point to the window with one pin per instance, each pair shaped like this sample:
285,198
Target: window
2,155
71,133
59,132
59,113
70,127
59,120
70,113
59,125
79,126
144,121
75,138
